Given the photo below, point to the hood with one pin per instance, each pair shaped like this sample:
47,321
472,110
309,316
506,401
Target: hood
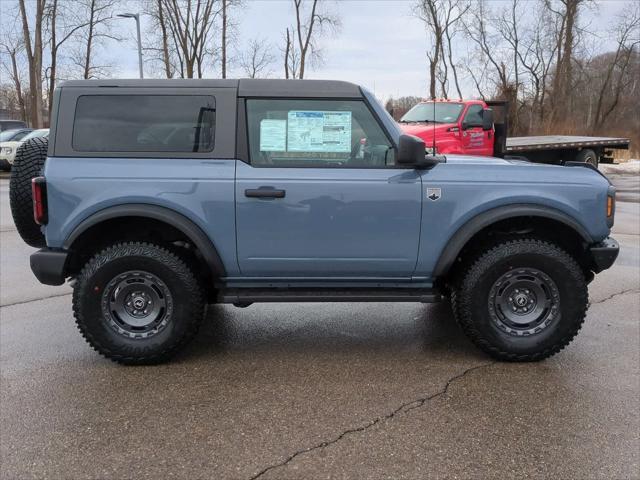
425,131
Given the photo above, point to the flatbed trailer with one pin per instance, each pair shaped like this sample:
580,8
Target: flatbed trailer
553,148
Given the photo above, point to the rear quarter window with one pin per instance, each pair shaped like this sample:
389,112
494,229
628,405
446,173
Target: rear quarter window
144,123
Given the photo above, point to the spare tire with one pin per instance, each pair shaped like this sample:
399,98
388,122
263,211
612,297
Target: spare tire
28,164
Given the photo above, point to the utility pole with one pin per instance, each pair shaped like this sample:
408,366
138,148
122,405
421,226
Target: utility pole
136,17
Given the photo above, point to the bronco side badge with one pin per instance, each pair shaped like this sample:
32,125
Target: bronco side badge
434,194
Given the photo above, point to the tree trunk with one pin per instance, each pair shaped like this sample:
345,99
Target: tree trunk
286,56
165,42
54,56
87,57
224,38
34,57
18,85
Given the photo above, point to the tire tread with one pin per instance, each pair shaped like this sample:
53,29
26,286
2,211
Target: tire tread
465,317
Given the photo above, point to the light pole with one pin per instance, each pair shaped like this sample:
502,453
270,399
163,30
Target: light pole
136,16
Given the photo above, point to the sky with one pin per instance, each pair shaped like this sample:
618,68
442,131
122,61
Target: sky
380,44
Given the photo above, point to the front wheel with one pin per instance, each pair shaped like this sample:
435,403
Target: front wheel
137,303
523,300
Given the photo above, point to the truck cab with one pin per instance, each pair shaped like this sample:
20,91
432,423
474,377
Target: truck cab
452,126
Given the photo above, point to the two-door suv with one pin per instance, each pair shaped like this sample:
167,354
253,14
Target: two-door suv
158,197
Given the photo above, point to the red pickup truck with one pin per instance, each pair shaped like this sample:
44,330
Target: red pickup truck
468,127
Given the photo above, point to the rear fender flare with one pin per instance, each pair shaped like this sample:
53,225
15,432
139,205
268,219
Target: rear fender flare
192,231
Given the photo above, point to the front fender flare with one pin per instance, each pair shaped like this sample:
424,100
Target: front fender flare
192,231
459,239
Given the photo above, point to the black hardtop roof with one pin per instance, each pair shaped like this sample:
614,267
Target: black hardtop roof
246,87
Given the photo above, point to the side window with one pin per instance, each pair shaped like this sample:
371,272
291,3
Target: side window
144,123
316,133
473,117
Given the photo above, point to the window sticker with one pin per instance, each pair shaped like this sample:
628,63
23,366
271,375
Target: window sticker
273,135
318,131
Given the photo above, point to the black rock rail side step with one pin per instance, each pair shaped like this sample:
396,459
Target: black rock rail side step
244,296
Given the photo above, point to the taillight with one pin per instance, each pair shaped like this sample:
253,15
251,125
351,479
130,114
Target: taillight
39,195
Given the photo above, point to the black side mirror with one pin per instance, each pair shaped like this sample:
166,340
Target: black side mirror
411,150
487,119
411,153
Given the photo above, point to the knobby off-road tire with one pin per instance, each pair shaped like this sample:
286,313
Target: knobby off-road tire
490,299
137,303
28,164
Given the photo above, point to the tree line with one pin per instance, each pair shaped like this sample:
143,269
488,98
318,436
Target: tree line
53,40
540,55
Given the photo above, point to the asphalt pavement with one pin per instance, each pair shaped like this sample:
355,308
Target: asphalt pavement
320,390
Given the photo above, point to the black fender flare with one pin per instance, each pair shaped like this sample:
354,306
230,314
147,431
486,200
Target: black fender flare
192,231
459,239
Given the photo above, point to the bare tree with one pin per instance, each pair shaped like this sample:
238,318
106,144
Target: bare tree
34,49
312,20
58,15
440,18
190,24
256,61
227,32
94,18
628,41
478,29
566,12
291,55
12,50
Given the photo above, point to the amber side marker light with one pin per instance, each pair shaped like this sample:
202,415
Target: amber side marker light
610,204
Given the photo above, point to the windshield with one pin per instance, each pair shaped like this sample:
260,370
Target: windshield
37,133
8,135
438,112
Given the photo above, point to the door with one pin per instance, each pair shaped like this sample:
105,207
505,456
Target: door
322,196
475,140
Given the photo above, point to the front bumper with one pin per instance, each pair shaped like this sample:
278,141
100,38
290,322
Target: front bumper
604,254
48,265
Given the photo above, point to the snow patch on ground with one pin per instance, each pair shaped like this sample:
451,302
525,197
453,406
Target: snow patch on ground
631,166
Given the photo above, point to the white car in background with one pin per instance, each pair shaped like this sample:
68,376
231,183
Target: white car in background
8,149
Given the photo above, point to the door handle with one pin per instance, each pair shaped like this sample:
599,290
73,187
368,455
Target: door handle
264,192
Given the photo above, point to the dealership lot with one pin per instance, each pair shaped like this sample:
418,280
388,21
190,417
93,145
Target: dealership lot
320,390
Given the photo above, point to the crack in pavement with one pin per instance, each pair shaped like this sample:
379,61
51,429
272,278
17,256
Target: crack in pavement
404,408
23,302
613,295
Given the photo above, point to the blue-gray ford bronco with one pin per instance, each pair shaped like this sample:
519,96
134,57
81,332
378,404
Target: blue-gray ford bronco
156,198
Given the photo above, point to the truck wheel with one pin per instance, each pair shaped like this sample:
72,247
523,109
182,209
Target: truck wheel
28,164
523,300
137,303
587,156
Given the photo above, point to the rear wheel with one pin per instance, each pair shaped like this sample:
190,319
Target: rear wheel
587,156
523,300
28,164
137,303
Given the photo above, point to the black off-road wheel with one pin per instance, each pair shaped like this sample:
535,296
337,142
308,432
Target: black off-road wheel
28,164
523,300
137,303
